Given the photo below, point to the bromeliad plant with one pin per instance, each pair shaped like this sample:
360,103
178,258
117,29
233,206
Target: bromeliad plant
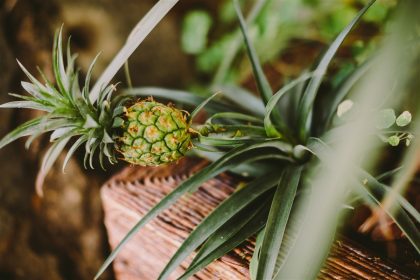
276,149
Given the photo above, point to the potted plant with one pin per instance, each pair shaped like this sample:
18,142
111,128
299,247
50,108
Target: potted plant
300,152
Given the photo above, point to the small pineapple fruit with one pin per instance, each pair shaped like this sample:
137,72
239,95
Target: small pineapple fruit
153,134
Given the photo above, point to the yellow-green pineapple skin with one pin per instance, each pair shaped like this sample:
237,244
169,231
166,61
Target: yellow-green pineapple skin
154,134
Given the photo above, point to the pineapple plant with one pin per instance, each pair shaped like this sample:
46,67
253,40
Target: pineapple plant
277,152
142,132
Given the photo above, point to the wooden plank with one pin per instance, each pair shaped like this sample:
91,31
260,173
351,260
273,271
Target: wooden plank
130,194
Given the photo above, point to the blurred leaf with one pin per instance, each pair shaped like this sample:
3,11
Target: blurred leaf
227,12
400,217
375,190
344,107
404,119
337,21
195,28
378,13
385,118
208,61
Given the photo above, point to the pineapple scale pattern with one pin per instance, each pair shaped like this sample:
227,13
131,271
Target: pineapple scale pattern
154,134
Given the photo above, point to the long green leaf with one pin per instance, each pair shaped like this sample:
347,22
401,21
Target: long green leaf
388,174
226,210
178,96
253,265
377,191
36,88
243,98
235,116
246,129
277,220
58,65
225,141
234,157
293,229
252,227
231,227
235,43
26,129
136,37
202,105
49,158
27,105
262,82
387,190
399,216
72,150
308,98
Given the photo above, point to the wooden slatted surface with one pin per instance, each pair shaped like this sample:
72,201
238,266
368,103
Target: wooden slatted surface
130,194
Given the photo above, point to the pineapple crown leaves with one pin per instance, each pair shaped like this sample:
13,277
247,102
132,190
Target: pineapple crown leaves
69,113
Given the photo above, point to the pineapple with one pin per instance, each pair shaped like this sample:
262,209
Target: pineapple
153,134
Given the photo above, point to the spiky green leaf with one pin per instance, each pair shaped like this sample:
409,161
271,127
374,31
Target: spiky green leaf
226,210
251,227
308,98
